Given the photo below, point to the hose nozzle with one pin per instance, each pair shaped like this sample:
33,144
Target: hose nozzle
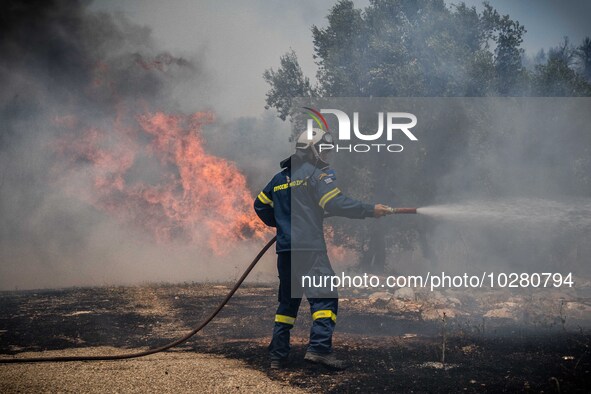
403,210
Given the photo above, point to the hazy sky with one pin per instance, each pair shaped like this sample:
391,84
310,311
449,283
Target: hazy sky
55,225
240,39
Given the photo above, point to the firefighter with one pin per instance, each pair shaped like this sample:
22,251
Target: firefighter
295,202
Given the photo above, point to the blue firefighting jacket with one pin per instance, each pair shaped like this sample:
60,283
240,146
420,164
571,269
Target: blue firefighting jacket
295,202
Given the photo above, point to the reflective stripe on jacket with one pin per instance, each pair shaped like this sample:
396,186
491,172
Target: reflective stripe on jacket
296,200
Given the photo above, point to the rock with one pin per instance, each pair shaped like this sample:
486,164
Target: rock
581,282
437,313
405,293
578,310
501,313
380,295
400,306
436,295
437,300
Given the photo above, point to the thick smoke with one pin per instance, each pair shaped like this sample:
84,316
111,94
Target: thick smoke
65,71
502,185
515,195
528,153
261,142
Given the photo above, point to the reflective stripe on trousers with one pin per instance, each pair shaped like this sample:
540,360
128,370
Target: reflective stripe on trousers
323,310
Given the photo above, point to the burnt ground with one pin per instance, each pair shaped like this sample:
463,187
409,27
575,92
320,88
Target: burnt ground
495,341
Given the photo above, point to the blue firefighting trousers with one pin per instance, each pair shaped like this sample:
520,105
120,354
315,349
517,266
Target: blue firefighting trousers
323,303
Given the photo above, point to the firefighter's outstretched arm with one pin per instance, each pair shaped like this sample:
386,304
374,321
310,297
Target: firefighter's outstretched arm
335,203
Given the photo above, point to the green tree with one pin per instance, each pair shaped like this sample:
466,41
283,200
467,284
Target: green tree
507,34
414,48
339,53
583,53
286,83
558,76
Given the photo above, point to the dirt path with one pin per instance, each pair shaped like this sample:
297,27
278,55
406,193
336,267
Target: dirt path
495,341
171,372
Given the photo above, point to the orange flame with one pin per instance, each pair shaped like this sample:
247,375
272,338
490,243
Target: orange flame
199,198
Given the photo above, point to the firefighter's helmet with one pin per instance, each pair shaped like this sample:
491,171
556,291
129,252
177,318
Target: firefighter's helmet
318,137
320,144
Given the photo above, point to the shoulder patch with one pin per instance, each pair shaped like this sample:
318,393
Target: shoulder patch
328,180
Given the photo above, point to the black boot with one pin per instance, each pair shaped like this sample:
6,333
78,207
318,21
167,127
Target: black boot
329,360
279,363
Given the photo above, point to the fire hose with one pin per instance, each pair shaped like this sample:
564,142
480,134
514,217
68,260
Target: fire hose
178,341
158,349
